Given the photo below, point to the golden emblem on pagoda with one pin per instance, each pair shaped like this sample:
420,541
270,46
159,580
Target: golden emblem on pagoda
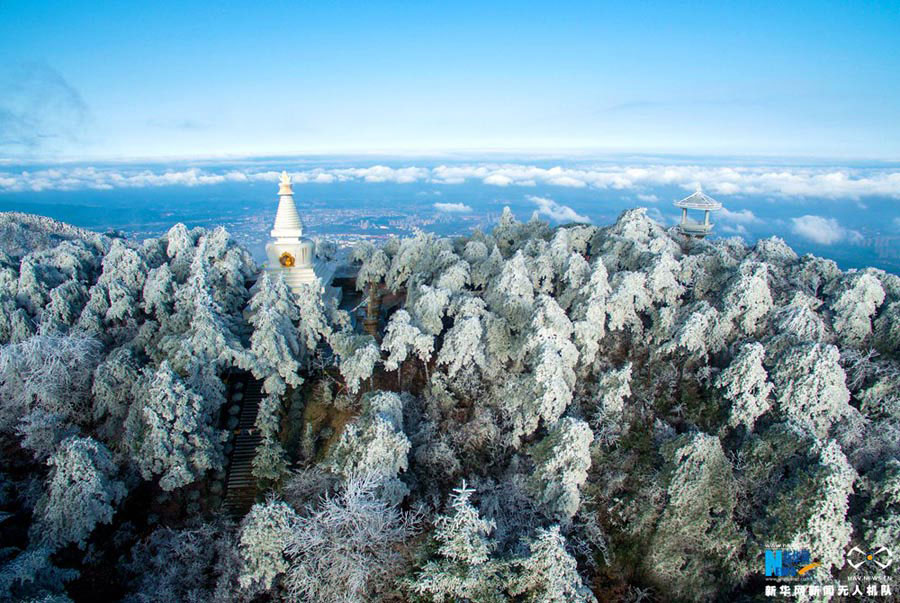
286,260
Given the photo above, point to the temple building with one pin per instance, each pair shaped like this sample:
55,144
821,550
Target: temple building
698,201
290,253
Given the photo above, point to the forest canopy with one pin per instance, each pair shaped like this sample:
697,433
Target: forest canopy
541,414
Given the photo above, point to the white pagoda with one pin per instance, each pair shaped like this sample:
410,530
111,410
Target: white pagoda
289,252
702,202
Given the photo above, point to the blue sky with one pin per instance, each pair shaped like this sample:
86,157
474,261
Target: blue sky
161,79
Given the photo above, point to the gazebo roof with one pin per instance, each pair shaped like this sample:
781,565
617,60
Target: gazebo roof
699,200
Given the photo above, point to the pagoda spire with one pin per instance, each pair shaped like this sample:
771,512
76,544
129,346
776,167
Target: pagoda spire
288,227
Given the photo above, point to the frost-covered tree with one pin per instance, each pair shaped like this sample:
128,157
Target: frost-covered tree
549,574
203,331
562,460
485,269
465,569
118,290
881,399
429,308
576,273
810,510
314,325
810,387
553,357
511,295
345,550
180,249
455,278
798,322
195,563
590,313
418,257
158,296
748,299
662,280
15,323
358,355
63,309
463,346
31,576
402,338
375,444
859,299
628,299
271,461
45,385
265,533
887,328
696,532
275,342
881,518
700,331
745,383
113,391
81,492
613,387
374,265
179,442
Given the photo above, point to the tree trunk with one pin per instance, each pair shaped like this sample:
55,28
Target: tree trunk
370,324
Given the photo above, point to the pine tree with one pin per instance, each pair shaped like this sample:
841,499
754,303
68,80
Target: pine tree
854,308
749,300
629,298
553,357
463,346
81,492
429,308
810,387
696,528
590,313
265,533
275,343
375,445
745,384
512,294
179,442
402,338
358,355
549,574
465,569
562,460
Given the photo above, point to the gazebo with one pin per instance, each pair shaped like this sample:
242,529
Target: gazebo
700,201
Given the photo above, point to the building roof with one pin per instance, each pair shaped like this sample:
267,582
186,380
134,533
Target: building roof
699,200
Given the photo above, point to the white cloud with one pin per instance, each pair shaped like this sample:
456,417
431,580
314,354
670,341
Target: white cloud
744,216
557,212
498,180
825,231
780,182
452,207
738,229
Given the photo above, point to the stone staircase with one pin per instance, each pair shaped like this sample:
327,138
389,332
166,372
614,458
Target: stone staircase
240,488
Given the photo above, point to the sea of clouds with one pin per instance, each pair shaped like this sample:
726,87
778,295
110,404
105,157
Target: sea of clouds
798,182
